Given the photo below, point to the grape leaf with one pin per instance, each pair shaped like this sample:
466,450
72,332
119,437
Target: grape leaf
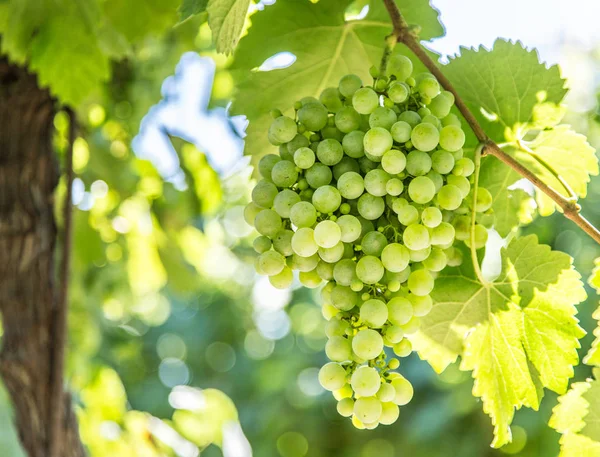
568,153
517,334
19,19
593,356
326,47
512,207
190,8
506,82
577,419
226,20
138,19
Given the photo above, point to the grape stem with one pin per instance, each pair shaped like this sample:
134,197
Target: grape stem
407,36
473,248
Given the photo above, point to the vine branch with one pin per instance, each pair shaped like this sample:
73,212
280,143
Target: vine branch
406,36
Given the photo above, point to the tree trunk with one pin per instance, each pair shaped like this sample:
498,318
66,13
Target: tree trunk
28,293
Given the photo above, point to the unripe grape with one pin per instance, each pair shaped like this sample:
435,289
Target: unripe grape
283,279
332,376
313,116
400,66
365,100
367,409
349,84
365,381
310,279
283,129
399,311
369,269
377,141
304,157
268,223
367,344
374,313
345,407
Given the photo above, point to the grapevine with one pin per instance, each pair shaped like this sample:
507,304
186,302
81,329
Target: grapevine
371,192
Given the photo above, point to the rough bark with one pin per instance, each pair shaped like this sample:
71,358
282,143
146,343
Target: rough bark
28,293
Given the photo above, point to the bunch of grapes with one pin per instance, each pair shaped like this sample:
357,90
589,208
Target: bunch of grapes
369,193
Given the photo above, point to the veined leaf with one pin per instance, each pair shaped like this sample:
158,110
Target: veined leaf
326,47
189,8
517,334
226,20
593,356
136,20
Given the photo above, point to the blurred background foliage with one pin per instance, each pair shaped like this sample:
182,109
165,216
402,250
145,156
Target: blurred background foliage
175,343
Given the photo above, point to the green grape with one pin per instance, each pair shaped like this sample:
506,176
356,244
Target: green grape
443,234
374,313
284,174
271,262
347,119
420,282
336,327
327,199
303,242
401,131
375,182
306,195
365,100
365,381
299,141
377,141
353,144
366,226
393,161
395,257
455,257
332,254
264,194
437,179
389,413
419,255
464,167
416,237
261,244
367,409
325,270
440,106
350,228
442,161
408,215
318,175
451,119
283,279
313,116
462,183
344,166
429,87
250,212
452,138
345,407
268,223
284,201
284,153
332,376
431,217
394,334
366,164
330,152
462,226
282,242
382,117
400,66
398,92
344,272
403,348
370,207
425,137
351,185
344,298
301,263
310,279
331,132
375,159
418,163
421,304
338,349
481,236
369,269
449,197
303,214
282,130
421,189
304,158
400,311
431,119
327,234
373,243
423,112
349,84
367,344
386,392
266,164
484,200
404,390
436,261
412,118
330,97
394,187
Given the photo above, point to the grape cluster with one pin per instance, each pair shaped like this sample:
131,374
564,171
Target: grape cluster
369,193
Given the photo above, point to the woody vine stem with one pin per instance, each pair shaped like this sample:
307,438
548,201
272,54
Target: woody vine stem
404,34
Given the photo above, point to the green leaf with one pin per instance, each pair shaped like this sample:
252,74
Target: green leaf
226,20
19,19
593,356
136,20
66,56
517,334
568,153
512,208
577,419
326,47
506,81
190,8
